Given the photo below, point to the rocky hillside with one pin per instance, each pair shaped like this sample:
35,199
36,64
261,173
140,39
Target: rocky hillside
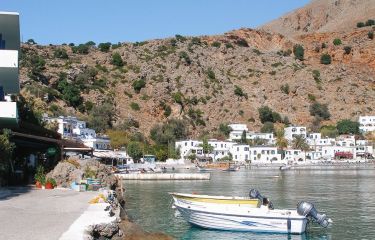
323,16
206,80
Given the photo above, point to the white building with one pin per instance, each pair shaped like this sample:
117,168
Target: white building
264,154
237,130
366,123
294,155
221,149
188,147
240,152
330,152
291,132
72,128
316,142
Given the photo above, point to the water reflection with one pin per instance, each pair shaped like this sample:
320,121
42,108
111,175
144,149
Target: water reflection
345,194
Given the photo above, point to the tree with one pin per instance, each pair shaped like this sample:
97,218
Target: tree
225,129
347,126
370,22
337,41
267,115
169,132
267,127
6,150
325,59
239,92
90,43
60,53
360,24
347,49
299,52
104,47
138,85
243,137
117,60
118,138
207,148
81,49
281,142
134,150
370,35
299,142
36,65
320,110
31,42
101,117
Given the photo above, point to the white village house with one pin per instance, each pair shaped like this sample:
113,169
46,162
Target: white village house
366,124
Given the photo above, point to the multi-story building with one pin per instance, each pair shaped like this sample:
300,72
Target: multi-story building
240,152
366,124
291,132
264,154
238,129
72,128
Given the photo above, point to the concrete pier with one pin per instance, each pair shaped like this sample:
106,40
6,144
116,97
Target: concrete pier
164,176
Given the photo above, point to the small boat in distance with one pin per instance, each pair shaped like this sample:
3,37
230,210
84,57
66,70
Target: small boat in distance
232,168
285,167
260,218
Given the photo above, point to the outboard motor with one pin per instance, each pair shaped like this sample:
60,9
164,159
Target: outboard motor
265,201
308,210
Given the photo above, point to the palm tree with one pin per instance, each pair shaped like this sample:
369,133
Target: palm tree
299,142
281,142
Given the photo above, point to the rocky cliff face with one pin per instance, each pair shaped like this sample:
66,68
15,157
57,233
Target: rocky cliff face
210,80
323,16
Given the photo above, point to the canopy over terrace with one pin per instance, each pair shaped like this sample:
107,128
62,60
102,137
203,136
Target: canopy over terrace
112,157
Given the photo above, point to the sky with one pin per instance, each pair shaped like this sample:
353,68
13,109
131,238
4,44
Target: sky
79,21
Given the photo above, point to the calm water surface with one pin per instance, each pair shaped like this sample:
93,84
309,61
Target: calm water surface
346,194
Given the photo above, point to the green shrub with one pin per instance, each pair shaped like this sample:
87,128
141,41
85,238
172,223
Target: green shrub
325,59
360,24
316,76
239,92
337,42
210,74
178,98
229,45
183,55
285,88
117,60
242,42
196,41
115,46
299,52
36,66
324,45
347,49
311,97
90,43
320,110
138,85
347,126
30,42
180,38
167,109
225,129
104,47
370,22
216,44
134,106
81,49
370,35
169,132
267,115
60,53
267,127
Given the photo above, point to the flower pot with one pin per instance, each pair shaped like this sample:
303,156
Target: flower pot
38,184
49,186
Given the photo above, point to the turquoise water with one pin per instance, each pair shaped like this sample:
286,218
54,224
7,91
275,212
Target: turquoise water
345,194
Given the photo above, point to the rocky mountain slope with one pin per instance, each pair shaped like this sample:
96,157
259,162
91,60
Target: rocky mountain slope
210,80
323,16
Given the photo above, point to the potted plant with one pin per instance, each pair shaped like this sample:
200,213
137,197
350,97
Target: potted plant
50,183
40,177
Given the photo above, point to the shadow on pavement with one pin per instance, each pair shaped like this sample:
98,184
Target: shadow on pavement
10,192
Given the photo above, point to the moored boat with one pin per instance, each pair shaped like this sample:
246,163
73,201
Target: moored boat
256,219
212,201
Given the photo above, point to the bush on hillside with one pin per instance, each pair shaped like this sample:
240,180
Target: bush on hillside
60,53
135,106
337,42
138,85
360,24
169,132
81,49
104,47
370,22
239,92
370,35
347,126
299,52
117,60
320,110
267,115
325,59
216,44
347,49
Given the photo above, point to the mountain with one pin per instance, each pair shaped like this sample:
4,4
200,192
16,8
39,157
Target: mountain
323,16
209,80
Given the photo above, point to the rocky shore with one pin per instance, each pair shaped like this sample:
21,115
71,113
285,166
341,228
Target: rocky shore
74,170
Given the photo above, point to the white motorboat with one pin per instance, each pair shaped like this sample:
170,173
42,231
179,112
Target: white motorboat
255,219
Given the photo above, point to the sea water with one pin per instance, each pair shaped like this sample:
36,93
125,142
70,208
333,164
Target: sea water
345,193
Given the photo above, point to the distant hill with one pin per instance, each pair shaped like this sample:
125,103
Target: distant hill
323,16
209,80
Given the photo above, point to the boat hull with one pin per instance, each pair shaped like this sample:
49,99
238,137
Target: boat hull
244,223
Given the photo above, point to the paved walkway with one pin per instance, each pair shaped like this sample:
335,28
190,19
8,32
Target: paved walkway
28,214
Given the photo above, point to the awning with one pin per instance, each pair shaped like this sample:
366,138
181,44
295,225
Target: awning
110,154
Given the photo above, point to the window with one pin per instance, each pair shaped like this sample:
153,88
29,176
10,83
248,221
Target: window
238,149
263,151
246,156
273,152
246,149
255,152
185,143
